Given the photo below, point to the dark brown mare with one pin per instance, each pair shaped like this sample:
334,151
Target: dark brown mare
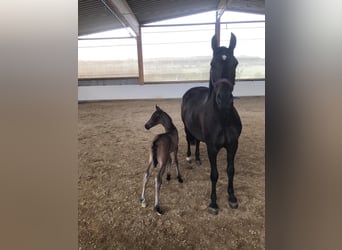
209,115
163,146
223,65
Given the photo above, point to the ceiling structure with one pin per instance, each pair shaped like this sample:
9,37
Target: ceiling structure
103,15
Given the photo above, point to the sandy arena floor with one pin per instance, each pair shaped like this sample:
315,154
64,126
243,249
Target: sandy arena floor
113,156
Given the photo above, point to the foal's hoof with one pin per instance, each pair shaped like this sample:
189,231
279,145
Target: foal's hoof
233,203
180,180
213,209
168,177
198,162
143,203
158,210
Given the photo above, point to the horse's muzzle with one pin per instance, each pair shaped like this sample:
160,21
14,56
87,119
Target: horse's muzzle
147,126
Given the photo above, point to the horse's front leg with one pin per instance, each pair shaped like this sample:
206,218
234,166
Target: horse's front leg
212,154
231,151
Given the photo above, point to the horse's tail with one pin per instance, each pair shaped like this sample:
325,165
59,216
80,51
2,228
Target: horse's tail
154,153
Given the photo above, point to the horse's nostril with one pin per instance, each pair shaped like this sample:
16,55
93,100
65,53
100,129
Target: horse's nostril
147,127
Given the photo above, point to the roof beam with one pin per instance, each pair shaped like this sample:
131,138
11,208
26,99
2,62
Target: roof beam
221,7
124,13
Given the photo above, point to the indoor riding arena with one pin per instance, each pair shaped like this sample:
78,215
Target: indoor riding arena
117,94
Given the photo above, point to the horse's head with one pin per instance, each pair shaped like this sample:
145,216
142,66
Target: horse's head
224,63
155,118
223,90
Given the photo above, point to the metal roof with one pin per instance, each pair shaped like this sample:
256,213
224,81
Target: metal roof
102,15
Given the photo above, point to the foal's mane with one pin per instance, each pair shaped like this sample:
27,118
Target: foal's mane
168,120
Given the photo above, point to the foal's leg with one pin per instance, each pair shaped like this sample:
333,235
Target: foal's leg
145,180
197,157
158,182
212,154
175,159
231,151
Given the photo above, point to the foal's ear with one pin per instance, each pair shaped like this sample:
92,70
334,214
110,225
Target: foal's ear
232,42
214,44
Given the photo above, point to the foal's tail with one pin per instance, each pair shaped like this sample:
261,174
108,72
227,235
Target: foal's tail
154,153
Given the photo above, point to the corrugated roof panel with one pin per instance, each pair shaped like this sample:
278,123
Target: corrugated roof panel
93,15
158,10
248,6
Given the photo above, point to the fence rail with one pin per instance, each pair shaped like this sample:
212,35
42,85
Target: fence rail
178,52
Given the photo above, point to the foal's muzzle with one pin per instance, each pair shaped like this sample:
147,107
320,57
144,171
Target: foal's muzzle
147,126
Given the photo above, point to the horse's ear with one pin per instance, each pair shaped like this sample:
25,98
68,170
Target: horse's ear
214,43
157,107
232,42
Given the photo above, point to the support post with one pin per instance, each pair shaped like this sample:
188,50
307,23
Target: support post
221,7
218,28
140,58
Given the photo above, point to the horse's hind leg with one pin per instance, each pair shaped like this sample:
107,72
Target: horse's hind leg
233,203
158,182
179,177
168,175
197,157
145,180
189,139
188,154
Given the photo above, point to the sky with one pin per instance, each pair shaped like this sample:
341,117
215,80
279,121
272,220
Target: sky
176,41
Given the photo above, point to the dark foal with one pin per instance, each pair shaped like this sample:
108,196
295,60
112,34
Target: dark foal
223,65
163,146
211,117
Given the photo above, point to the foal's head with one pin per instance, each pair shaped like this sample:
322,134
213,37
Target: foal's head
158,117
224,63
223,89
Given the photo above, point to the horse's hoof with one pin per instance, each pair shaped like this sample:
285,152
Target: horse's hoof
143,203
198,162
233,203
168,177
158,210
213,211
180,180
188,159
